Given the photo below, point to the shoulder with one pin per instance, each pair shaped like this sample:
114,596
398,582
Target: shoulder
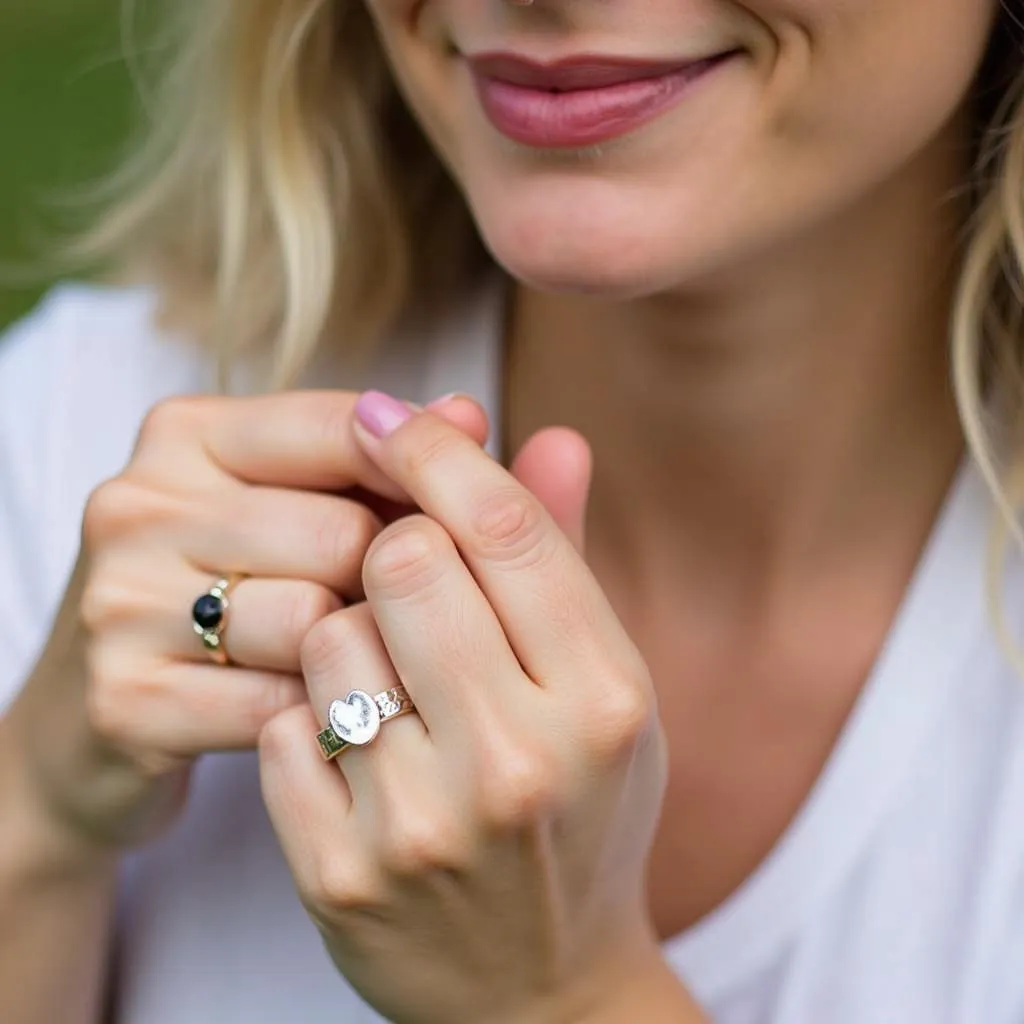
86,344
79,373
77,377
971,773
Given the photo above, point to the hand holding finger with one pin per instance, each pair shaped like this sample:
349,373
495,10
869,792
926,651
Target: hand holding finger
249,489
521,558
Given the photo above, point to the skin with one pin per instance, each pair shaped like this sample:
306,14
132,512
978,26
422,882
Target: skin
750,297
485,859
273,487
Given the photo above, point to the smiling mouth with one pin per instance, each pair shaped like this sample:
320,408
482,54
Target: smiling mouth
581,100
575,73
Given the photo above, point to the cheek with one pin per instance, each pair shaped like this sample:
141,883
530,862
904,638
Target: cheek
836,98
880,70
417,44
858,91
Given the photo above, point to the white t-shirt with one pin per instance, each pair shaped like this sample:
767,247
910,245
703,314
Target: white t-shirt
896,896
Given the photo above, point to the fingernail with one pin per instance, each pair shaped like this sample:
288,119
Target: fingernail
381,414
445,399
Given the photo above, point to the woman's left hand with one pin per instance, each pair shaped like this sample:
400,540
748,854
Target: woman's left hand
484,860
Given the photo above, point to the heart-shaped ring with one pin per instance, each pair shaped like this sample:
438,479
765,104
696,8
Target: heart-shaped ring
356,720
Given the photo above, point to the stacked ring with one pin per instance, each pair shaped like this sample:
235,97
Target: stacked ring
210,618
356,720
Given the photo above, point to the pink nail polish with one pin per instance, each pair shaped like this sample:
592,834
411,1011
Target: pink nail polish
381,414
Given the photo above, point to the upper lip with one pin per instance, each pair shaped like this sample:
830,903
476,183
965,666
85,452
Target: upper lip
584,71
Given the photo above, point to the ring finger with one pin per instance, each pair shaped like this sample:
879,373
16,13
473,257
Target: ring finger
264,624
265,621
343,653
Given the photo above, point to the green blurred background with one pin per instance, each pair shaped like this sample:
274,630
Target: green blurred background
66,105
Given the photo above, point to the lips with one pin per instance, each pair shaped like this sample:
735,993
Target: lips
573,74
582,100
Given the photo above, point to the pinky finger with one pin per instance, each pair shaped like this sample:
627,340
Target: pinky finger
187,710
310,806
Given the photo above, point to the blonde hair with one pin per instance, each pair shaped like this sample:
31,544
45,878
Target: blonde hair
282,190
285,192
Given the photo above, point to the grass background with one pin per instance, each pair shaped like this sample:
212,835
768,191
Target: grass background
66,106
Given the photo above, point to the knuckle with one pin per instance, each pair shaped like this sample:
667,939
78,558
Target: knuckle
103,604
275,695
342,537
309,606
277,734
620,721
520,787
419,454
366,527
339,885
121,508
510,526
109,510
417,844
170,418
327,643
332,418
406,558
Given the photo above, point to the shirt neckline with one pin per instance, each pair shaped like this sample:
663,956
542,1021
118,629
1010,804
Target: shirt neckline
938,624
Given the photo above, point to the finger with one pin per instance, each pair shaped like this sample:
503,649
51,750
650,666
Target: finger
556,466
285,534
186,710
464,413
397,781
300,439
309,805
553,611
440,633
150,607
344,652
266,623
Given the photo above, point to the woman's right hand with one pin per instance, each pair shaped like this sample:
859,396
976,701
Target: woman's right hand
125,698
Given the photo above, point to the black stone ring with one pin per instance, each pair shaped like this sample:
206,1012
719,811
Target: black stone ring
210,618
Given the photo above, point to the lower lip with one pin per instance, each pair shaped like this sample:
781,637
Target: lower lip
583,117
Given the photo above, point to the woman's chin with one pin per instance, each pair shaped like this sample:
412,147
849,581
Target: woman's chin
609,270
608,278
564,251
627,256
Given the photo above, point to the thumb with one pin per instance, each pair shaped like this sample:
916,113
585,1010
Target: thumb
556,465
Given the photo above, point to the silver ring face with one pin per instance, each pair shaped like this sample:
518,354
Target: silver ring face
356,719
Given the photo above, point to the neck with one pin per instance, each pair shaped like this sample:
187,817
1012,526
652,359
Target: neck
782,414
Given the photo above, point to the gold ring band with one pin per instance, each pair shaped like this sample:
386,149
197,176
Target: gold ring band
356,720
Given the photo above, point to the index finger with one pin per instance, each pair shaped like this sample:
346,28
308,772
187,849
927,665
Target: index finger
299,439
555,614
293,439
